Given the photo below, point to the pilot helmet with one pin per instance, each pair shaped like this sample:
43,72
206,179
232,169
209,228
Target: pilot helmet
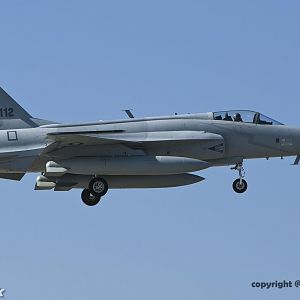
237,117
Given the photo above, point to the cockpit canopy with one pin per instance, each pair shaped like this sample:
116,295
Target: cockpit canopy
244,116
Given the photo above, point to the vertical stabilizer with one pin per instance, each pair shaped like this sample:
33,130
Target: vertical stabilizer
12,115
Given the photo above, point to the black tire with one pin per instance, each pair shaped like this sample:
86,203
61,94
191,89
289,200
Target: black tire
88,198
98,187
240,187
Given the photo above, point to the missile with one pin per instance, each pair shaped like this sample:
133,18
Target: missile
69,181
125,165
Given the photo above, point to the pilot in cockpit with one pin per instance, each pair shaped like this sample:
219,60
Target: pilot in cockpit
227,117
237,117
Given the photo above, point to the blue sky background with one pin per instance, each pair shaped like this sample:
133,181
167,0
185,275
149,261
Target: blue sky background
87,60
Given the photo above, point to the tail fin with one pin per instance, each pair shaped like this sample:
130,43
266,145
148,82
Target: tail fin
13,116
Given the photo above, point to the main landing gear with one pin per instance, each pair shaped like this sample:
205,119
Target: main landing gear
98,187
240,185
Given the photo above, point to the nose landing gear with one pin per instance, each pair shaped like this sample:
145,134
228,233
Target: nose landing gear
239,185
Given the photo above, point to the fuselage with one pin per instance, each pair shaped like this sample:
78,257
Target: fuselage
21,150
156,152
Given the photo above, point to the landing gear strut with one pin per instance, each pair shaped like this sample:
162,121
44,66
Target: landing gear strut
98,187
240,185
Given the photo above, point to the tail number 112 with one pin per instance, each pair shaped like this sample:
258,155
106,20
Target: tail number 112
7,112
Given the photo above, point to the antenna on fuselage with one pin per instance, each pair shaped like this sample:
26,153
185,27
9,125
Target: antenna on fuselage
129,113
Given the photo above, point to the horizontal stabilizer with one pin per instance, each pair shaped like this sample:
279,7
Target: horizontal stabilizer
12,176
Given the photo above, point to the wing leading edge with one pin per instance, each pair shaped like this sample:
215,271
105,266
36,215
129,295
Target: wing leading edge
131,139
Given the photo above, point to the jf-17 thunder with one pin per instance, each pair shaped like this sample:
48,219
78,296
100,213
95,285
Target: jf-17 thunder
156,152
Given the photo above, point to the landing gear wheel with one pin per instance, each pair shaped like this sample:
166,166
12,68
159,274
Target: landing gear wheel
98,187
240,187
88,198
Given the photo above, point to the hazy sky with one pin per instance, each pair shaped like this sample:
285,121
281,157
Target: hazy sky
87,60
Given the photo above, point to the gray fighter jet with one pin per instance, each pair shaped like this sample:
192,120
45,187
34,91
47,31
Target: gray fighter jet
152,152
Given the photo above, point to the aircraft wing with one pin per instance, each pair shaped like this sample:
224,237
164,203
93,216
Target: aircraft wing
193,144
131,140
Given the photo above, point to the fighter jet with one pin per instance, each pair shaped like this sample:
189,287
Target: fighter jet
155,152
